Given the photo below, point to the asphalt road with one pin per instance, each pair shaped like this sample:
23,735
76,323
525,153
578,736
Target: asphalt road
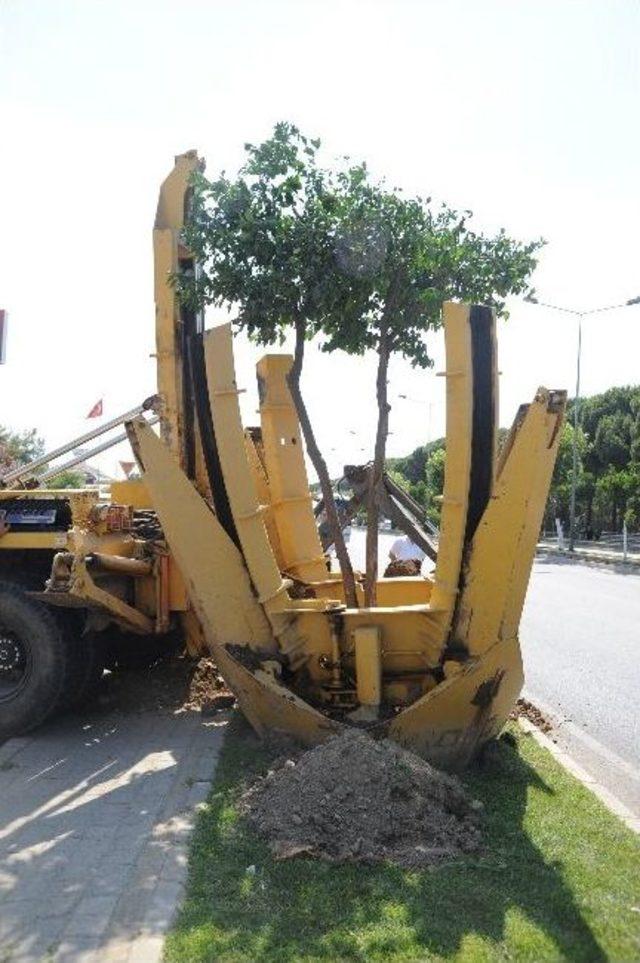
580,637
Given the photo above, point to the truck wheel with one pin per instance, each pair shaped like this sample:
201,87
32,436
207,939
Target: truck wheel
33,662
86,663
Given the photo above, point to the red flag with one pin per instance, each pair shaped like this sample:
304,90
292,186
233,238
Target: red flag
96,411
127,467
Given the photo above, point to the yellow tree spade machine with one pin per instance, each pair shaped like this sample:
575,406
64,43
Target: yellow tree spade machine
235,555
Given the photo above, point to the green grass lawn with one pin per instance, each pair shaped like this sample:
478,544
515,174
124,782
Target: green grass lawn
559,880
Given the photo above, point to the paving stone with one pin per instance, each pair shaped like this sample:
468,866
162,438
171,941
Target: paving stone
21,910
146,949
117,951
31,948
12,747
198,794
78,949
201,768
176,864
149,866
166,897
91,916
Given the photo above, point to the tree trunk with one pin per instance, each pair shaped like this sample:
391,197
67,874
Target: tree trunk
373,511
320,465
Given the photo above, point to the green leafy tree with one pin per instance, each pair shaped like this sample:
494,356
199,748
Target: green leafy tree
609,460
292,245
413,467
422,474
19,447
265,241
632,506
67,479
406,257
608,478
612,442
434,482
562,478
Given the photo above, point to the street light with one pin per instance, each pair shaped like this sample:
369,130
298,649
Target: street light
580,314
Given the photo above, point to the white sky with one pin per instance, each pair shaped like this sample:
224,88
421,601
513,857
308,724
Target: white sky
522,111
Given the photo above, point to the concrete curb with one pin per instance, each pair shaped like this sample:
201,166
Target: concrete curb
607,558
606,797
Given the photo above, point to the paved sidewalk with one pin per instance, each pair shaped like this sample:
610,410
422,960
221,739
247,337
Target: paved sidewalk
94,819
590,554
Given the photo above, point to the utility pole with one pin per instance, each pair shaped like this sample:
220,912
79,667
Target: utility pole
3,335
574,451
531,299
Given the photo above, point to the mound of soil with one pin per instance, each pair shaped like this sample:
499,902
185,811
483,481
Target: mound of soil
353,798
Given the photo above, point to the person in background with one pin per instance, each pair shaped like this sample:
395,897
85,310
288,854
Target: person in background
405,558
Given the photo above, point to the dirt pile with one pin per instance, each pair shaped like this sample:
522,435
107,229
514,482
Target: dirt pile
527,709
357,799
207,689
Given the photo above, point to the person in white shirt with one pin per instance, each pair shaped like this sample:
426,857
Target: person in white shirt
404,550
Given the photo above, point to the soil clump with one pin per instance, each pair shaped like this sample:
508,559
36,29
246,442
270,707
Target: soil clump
355,799
179,684
527,709
401,567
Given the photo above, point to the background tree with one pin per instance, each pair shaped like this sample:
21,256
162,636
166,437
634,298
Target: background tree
19,447
68,479
608,482
559,498
610,462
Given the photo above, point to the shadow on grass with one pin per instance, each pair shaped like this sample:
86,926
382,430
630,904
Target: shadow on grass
310,910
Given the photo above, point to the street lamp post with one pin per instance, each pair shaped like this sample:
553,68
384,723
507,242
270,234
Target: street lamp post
574,447
531,299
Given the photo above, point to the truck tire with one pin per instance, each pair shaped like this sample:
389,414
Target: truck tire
86,663
33,662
